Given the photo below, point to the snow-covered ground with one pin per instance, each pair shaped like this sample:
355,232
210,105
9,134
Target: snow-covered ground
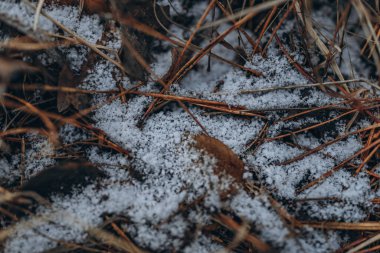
177,191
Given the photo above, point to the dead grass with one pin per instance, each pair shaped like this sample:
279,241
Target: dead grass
359,101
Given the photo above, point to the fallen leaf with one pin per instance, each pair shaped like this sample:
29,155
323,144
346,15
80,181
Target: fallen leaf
68,79
95,6
62,178
231,224
228,163
89,6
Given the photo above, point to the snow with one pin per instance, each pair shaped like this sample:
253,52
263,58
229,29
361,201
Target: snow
88,27
23,15
166,172
7,172
39,156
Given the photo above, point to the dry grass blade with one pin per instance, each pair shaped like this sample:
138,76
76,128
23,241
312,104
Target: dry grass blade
192,116
292,61
303,130
265,27
251,11
23,130
79,38
198,25
38,13
339,166
234,226
28,44
365,19
246,35
196,58
121,233
66,89
231,110
155,34
23,28
370,250
359,226
240,234
104,236
113,241
210,104
100,134
309,85
53,134
351,245
319,148
7,196
118,61
278,26
305,16
259,138
367,158
365,244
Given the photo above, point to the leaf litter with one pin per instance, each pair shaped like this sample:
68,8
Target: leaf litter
178,178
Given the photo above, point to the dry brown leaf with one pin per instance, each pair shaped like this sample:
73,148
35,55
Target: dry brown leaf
89,6
68,79
62,178
227,161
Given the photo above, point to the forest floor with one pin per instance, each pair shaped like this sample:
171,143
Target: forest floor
189,126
